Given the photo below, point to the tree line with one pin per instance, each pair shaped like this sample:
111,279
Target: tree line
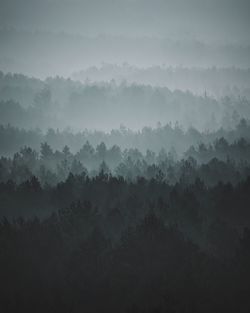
58,103
220,161
162,136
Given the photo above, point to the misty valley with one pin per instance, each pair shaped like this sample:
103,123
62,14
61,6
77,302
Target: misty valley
124,156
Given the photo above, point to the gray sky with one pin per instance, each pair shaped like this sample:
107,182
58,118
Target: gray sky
206,20
59,37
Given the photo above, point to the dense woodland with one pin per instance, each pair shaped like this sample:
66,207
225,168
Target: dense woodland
129,219
109,228
151,243
231,160
124,156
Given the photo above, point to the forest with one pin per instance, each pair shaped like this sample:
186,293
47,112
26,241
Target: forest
122,219
150,220
124,156
152,234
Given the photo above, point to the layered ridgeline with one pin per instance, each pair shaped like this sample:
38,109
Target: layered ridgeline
124,180
60,103
220,161
46,53
214,81
129,193
105,223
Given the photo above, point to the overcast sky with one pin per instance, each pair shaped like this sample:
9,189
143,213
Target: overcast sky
206,20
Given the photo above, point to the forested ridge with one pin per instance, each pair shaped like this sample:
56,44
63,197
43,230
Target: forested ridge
57,102
142,246
106,228
125,159
124,156
151,219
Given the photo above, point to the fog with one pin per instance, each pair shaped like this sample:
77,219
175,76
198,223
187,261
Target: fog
124,156
52,37
103,64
